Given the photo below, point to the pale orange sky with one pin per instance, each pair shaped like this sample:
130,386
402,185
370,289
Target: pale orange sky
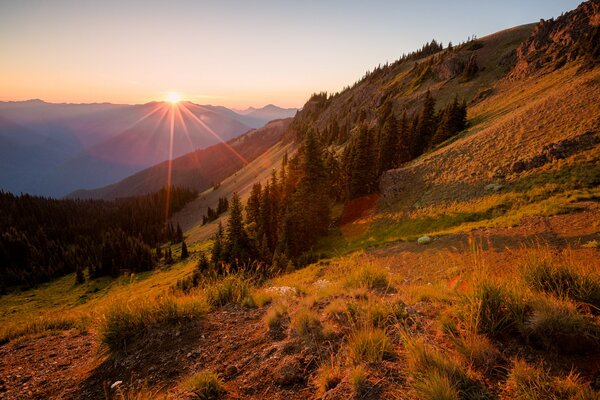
232,53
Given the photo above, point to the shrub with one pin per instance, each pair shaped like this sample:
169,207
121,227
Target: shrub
123,321
368,276
232,289
564,281
370,345
142,393
305,323
206,385
528,382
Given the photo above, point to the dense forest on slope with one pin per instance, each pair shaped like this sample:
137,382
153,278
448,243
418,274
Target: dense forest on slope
43,238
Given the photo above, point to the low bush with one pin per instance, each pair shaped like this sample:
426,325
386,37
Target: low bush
328,376
494,309
478,351
275,315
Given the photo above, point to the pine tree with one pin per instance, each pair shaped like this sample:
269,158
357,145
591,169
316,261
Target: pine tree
203,264
184,251
362,165
387,144
238,248
404,142
217,249
426,125
179,234
253,204
79,277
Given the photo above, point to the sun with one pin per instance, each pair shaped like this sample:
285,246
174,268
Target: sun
173,98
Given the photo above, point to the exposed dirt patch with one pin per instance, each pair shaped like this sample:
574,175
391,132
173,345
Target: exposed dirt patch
46,367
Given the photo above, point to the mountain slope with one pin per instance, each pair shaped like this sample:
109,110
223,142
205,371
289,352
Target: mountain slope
196,170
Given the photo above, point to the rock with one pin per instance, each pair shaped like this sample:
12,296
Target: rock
424,240
493,187
116,384
289,372
284,290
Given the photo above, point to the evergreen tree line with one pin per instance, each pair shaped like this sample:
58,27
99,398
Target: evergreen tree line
212,214
284,218
42,238
392,142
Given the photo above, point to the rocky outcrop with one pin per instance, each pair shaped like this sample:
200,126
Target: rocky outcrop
553,43
558,151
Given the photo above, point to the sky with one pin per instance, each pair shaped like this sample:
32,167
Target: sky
232,53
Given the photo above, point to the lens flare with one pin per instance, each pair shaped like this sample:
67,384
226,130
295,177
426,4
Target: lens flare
173,98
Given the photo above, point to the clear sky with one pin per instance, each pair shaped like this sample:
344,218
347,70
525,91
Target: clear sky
232,53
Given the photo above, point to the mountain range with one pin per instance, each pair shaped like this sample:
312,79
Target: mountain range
53,149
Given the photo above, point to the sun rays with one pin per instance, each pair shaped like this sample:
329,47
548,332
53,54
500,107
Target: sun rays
181,119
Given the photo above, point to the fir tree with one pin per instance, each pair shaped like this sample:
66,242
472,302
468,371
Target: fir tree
184,251
79,277
238,248
217,249
179,234
362,165
426,125
388,144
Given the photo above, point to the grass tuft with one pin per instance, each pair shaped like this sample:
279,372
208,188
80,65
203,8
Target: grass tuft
232,289
306,324
370,345
528,382
359,381
275,315
206,385
38,326
368,276
328,376
557,324
124,321
429,366
545,275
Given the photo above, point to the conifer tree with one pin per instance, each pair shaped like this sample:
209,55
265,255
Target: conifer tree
362,165
179,234
217,249
387,144
184,251
426,125
238,248
79,277
203,264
